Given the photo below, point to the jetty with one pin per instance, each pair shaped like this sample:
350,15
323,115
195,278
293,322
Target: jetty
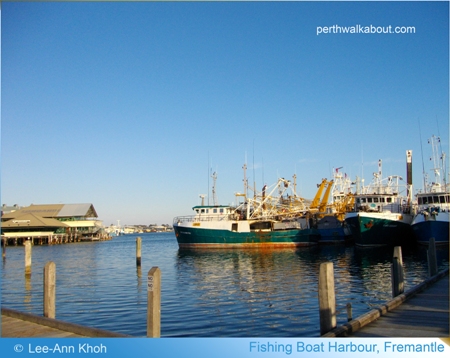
423,311
17,324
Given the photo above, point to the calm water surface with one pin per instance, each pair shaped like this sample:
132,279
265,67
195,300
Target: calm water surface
211,293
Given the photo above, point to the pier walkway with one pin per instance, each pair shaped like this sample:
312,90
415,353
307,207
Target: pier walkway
17,324
422,311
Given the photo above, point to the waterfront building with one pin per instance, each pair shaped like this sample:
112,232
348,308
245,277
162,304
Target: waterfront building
66,222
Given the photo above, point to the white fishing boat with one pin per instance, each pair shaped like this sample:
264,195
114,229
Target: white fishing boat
433,203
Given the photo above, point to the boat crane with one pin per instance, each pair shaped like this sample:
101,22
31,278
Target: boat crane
315,203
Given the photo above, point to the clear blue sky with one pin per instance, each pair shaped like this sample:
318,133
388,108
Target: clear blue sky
130,106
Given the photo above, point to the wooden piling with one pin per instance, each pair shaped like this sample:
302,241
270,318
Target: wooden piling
349,312
432,259
398,253
27,245
154,303
138,251
3,247
327,299
397,277
50,290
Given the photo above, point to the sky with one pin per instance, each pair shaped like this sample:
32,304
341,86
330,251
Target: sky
132,106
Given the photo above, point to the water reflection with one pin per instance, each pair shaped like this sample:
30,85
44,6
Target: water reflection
278,288
270,287
209,293
27,296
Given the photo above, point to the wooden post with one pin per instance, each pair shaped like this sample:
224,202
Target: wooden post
349,312
432,259
398,253
154,303
27,244
138,251
50,290
327,299
3,247
398,286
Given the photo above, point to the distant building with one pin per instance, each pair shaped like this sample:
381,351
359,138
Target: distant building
6,209
75,220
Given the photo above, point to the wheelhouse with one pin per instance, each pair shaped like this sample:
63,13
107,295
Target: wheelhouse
375,200
212,210
429,199
379,202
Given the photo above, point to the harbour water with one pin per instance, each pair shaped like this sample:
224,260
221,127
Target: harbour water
211,293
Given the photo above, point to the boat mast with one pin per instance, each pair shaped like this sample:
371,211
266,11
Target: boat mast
209,171
380,175
409,176
214,176
434,141
295,184
245,181
254,178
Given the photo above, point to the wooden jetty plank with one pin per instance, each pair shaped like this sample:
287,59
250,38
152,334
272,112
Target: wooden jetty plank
20,324
423,311
15,328
426,314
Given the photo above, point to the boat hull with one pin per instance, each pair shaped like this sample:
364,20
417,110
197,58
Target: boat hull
333,231
425,228
338,235
191,237
380,229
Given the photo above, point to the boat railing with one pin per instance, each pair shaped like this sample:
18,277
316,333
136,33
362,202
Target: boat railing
393,208
196,218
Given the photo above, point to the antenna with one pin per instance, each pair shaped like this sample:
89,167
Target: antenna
362,161
254,178
209,166
263,170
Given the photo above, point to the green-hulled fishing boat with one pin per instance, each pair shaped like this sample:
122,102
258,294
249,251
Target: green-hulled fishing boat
381,215
263,221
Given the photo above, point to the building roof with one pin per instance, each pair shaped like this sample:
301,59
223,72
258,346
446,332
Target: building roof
55,211
32,221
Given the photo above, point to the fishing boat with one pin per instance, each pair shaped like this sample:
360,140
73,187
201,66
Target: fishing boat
382,215
262,221
433,204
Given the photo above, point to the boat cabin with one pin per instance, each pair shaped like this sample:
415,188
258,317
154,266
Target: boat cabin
377,202
433,198
215,211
